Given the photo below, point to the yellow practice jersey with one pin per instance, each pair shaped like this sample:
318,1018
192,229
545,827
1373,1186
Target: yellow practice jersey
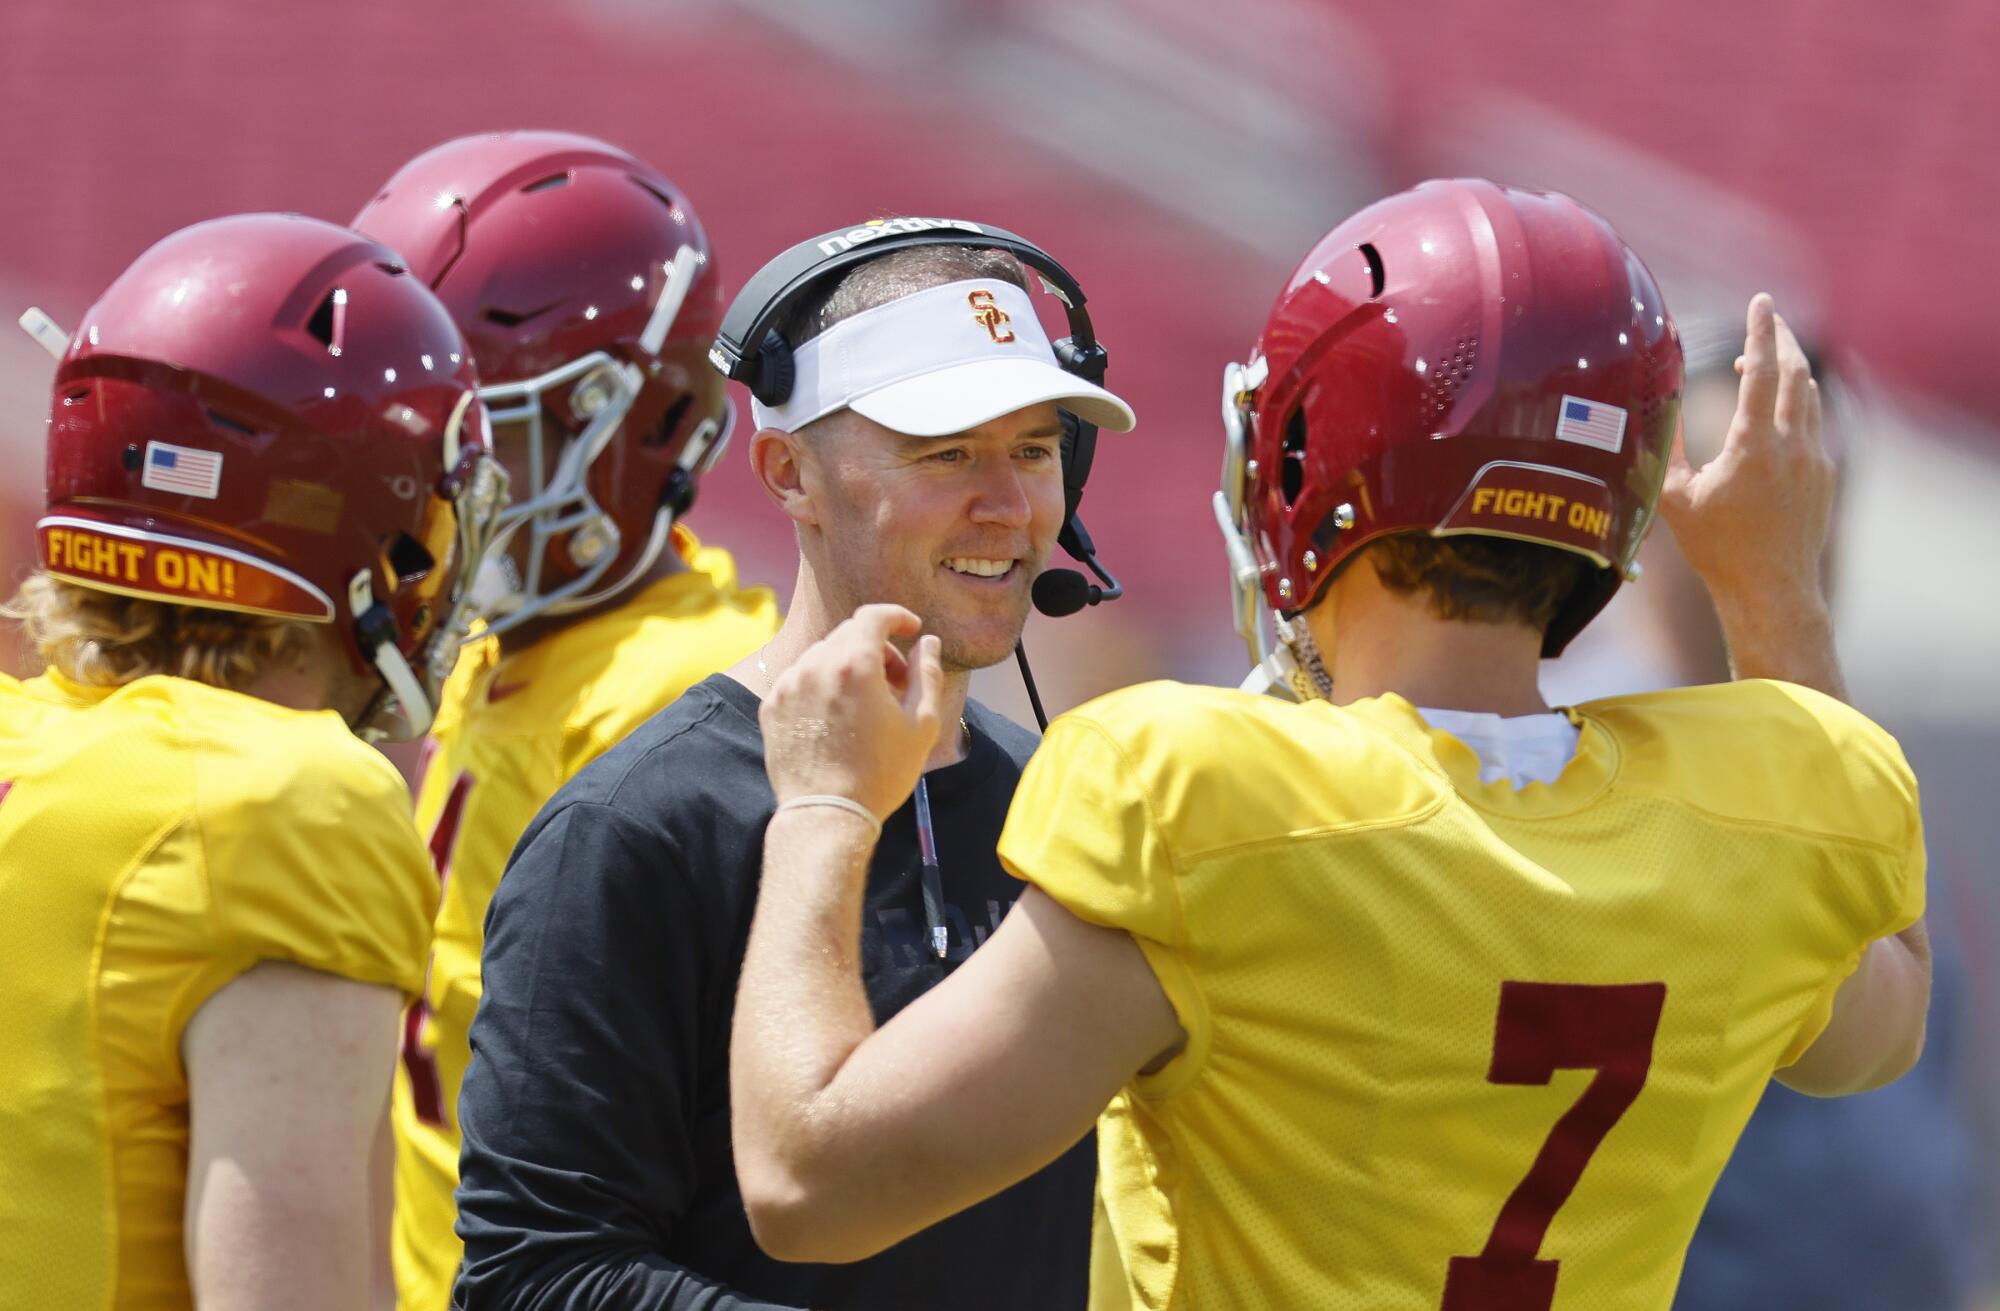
510,732
1453,1046
156,841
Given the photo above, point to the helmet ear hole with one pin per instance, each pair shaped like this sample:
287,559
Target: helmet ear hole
670,423
409,559
1292,472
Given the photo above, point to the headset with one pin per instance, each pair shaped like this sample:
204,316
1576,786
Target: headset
749,349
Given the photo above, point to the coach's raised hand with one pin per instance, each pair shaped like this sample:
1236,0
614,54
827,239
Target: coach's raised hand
1752,521
854,717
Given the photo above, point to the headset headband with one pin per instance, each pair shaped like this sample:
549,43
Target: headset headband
742,351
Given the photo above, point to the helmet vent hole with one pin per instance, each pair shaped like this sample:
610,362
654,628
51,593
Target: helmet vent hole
549,183
228,424
327,321
1377,279
393,270
408,559
1292,472
515,318
656,194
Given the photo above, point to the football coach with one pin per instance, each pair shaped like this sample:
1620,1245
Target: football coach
928,443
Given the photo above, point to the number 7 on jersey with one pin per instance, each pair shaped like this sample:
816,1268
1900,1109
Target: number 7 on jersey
1542,1028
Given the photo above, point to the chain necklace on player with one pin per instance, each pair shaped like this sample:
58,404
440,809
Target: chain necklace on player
933,876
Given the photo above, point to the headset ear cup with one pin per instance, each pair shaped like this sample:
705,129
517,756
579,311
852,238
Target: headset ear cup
1079,439
775,370
1079,448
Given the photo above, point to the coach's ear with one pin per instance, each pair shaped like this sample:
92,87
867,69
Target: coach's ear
781,464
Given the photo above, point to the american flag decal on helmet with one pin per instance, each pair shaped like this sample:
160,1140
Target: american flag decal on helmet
1591,423
182,469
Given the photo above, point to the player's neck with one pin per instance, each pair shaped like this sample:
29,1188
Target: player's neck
516,640
811,617
1376,641
316,676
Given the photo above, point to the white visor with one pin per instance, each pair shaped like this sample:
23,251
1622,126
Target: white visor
938,361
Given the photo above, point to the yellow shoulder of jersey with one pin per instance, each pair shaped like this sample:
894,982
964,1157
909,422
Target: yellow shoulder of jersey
678,632
1127,789
1223,767
313,850
585,687
1760,751
300,835
475,661
1133,784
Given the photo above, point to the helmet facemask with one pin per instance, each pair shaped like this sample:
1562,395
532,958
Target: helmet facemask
476,491
558,511
1286,662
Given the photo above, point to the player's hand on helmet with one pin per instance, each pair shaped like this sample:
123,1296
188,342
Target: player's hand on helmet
855,717
1752,521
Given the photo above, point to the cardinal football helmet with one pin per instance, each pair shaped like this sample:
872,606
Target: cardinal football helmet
1460,358
268,414
583,281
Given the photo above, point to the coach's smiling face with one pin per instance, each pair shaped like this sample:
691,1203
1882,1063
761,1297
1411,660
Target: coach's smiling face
954,528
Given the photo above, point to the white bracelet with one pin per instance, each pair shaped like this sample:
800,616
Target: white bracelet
838,803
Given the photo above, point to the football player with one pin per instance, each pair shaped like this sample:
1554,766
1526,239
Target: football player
1417,993
584,282
267,477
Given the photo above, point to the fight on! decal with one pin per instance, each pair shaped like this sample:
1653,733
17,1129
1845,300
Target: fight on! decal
1538,502
1542,508
174,569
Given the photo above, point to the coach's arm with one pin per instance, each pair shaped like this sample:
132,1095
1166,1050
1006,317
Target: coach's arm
846,1138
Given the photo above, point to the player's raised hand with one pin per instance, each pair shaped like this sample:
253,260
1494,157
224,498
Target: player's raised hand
1752,521
854,717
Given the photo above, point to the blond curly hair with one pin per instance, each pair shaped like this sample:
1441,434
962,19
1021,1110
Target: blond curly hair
103,639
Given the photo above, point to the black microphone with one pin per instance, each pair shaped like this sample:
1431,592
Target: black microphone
1060,592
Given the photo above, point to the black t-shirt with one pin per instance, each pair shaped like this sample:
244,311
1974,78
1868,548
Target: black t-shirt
597,1169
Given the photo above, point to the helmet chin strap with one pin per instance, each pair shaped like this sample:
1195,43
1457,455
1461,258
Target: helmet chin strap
409,694
1275,675
1293,670
375,633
